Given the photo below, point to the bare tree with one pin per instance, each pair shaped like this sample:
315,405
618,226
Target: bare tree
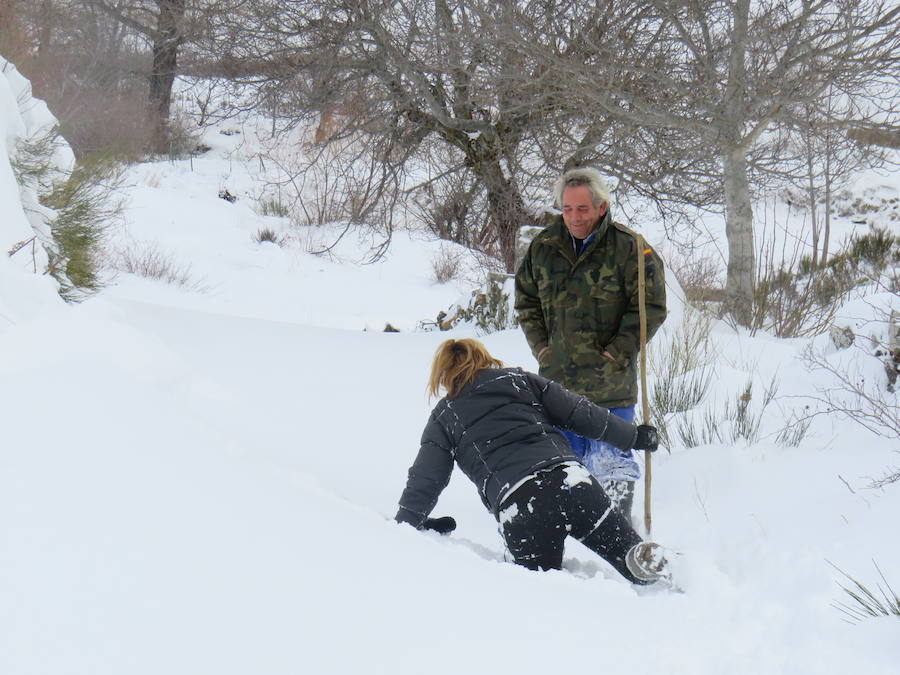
161,23
85,65
444,73
724,73
831,157
405,71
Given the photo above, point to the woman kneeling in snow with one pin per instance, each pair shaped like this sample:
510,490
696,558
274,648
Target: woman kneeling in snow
499,425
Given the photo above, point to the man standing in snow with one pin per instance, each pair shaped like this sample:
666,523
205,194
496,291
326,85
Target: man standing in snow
577,302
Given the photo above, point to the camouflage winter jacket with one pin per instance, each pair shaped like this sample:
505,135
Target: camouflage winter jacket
581,306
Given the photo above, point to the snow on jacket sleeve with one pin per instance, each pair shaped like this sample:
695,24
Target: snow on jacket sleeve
575,413
428,476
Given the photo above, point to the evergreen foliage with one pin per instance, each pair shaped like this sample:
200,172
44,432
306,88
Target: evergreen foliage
85,206
32,160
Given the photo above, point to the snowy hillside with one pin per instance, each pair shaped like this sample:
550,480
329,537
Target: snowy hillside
200,477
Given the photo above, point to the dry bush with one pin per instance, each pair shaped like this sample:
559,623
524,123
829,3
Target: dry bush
699,278
148,261
790,306
880,137
180,138
446,264
872,405
452,209
342,182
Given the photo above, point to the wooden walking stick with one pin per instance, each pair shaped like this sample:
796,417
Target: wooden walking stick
645,402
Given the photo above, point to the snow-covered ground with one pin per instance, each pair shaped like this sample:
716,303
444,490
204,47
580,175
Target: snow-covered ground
201,479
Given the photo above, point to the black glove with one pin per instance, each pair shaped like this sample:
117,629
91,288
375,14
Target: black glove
444,525
647,438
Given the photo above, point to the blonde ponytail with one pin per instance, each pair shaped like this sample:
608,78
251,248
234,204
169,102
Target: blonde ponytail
456,363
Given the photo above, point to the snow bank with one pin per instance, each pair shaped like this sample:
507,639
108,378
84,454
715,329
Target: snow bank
24,232
210,487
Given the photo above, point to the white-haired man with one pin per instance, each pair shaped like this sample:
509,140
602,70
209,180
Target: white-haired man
577,302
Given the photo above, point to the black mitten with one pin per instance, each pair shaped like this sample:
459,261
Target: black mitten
444,525
647,438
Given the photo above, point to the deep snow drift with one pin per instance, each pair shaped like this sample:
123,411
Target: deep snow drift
202,479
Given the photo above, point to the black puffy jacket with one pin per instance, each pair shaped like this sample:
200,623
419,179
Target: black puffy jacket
500,429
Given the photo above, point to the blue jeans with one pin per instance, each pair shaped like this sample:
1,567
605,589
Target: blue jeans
603,460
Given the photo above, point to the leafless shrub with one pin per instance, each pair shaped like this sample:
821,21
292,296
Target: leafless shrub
98,122
790,306
451,207
341,182
699,278
179,138
446,264
869,403
892,475
148,261
882,138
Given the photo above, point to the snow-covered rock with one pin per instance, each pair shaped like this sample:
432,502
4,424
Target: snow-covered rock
25,233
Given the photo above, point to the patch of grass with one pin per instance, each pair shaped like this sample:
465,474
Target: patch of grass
681,369
267,234
864,602
737,420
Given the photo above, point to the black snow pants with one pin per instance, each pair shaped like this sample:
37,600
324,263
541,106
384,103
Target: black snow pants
566,501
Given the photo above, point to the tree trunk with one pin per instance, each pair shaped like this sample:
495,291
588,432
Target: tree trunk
506,209
808,136
739,230
166,41
827,235
813,211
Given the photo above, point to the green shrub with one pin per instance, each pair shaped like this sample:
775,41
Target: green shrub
85,205
871,252
32,160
